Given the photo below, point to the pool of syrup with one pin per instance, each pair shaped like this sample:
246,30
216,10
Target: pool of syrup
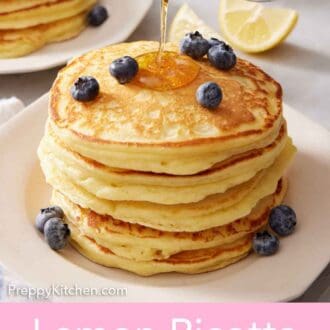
165,70
170,71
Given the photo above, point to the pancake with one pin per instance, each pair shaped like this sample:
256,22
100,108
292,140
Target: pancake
142,243
43,13
152,182
189,262
118,184
215,210
16,43
164,132
7,6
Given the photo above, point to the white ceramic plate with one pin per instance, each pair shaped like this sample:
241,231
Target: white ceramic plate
125,16
282,277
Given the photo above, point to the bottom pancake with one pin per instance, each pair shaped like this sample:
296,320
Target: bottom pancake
141,243
188,262
16,43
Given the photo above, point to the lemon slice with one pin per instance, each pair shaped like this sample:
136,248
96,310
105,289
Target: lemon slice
254,28
186,21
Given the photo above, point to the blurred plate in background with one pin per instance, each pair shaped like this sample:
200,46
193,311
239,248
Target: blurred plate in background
125,16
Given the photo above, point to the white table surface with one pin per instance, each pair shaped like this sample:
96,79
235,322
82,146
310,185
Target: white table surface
301,65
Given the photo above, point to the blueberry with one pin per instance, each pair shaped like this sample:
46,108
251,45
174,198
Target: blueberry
222,57
265,244
58,210
85,89
194,45
209,95
216,42
56,233
97,16
46,214
282,220
124,69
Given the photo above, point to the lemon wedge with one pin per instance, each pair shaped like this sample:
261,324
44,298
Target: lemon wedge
254,28
186,21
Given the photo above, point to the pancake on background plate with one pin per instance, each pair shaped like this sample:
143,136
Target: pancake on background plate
26,26
8,6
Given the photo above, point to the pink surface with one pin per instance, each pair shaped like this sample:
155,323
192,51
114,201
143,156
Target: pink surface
163,316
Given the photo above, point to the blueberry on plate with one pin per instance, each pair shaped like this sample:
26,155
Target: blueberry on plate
85,89
47,213
124,69
194,45
282,220
209,95
265,243
97,16
56,233
222,57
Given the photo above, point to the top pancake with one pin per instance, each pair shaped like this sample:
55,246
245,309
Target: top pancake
166,128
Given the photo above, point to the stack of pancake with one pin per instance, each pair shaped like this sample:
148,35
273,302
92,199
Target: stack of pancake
152,182
27,25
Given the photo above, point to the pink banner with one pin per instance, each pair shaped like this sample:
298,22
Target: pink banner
165,316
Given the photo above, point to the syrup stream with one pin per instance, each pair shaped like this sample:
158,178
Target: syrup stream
163,28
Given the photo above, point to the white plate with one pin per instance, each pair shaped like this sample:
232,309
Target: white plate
125,16
282,277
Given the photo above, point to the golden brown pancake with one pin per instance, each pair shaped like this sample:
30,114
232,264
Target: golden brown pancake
215,210
142,243
188,262
152,182
121,184
8,6
43,13
164,132
16,43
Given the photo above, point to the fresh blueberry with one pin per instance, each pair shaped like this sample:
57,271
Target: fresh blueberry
222,57
56,233
194,45
97,16
209,95
265,243
46,214
85,89
124,69
216,42
282,220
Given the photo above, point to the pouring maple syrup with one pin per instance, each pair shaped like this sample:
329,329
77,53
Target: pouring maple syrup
163,27
164,70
